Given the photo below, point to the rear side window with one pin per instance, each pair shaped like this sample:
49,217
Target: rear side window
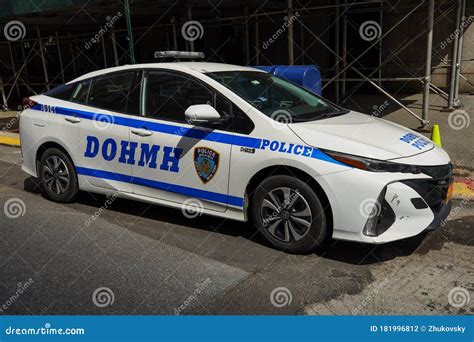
111,92
62,92
80,92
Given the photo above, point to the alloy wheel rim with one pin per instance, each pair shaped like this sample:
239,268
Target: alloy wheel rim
286,214
56,175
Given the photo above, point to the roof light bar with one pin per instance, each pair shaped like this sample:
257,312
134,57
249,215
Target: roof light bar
179,54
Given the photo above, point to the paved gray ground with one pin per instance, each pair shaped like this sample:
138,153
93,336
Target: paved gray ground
154,260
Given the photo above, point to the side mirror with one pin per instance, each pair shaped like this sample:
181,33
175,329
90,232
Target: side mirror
201,113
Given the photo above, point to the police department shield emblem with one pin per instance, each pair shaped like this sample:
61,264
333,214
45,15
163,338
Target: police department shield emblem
206,162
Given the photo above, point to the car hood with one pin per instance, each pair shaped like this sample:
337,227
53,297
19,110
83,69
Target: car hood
363,135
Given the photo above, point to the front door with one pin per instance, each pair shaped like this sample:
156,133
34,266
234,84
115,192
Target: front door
176,160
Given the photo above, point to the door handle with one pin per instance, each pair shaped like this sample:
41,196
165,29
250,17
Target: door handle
142,132
72,119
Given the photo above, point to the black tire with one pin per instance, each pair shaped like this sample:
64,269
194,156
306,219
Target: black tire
67,191
301,238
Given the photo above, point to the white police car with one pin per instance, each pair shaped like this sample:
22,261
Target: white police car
241,144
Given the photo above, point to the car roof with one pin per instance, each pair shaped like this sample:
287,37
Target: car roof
201,67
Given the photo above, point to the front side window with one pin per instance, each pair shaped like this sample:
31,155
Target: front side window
168,95
111,92
274,96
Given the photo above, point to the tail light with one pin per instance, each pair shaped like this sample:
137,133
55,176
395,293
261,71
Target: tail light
28,103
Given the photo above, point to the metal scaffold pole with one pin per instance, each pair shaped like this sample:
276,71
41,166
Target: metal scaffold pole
337,49
189,11
60,58
43,60
427,80
131,49
459,53
291,56
114,48
454,57
344,51
257,42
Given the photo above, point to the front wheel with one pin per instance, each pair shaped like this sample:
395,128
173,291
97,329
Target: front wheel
289,214
58,176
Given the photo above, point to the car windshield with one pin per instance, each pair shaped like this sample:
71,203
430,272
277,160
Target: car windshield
279,99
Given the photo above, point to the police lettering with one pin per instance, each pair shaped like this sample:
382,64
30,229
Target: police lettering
283,147
129,151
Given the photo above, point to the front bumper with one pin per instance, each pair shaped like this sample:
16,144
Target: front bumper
410,206
441,216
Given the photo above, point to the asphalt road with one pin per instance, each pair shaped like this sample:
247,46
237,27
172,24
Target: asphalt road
57,259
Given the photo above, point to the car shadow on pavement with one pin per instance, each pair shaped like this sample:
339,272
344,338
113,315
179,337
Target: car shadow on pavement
32,185
169,216
343,251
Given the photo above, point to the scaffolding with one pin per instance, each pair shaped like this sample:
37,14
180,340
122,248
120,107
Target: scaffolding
67,46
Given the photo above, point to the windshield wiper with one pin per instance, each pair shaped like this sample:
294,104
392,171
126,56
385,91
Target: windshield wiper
338,112
321,116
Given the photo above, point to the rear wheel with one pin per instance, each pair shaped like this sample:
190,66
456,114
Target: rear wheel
57,176
289,214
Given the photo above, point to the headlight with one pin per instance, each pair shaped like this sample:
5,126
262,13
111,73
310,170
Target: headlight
373,165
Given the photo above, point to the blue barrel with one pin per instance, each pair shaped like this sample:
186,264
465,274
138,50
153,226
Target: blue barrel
307,76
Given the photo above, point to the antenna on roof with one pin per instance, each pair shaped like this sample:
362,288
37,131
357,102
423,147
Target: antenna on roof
178,55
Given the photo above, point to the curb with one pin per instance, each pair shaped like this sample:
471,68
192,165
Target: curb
10,140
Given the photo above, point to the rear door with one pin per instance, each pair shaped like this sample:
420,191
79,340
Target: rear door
178,161
106,103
